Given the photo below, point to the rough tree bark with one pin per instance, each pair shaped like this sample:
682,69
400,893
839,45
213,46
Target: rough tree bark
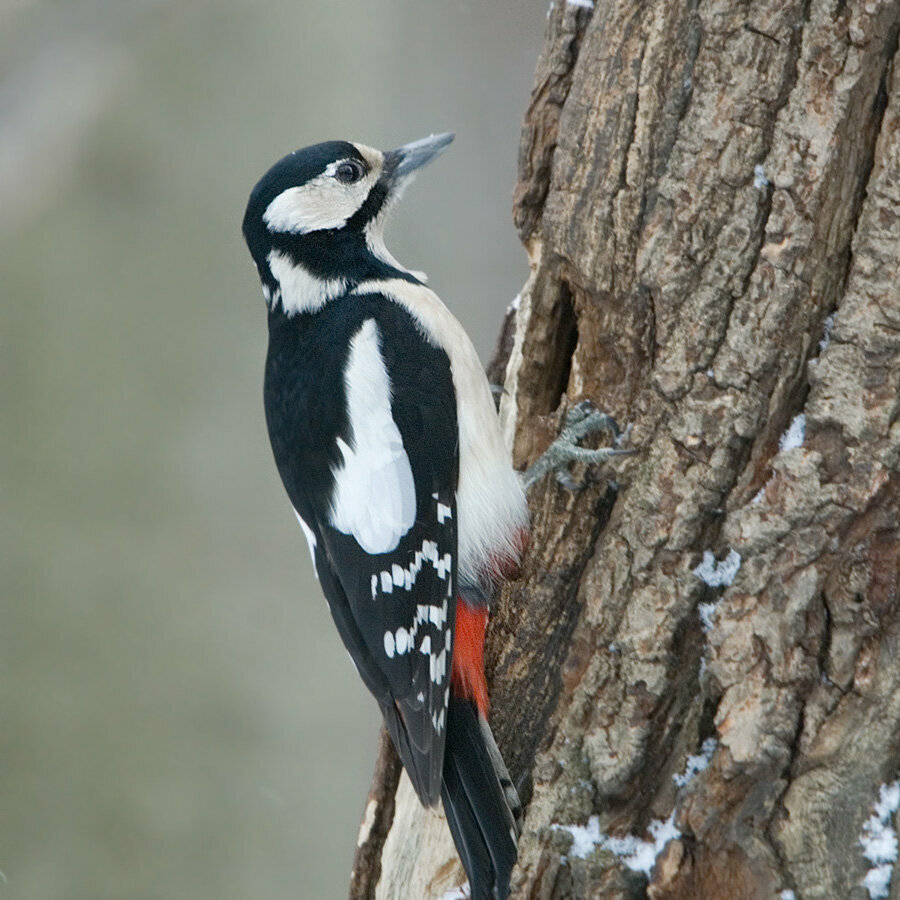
710,198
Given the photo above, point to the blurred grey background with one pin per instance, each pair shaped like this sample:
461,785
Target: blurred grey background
177,716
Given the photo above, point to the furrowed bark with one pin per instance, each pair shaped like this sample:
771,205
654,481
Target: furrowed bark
710,198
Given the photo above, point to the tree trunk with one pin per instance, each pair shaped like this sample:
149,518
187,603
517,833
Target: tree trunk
710,198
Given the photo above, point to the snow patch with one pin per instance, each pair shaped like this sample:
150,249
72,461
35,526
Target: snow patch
514,306
696,764
787,895
826,335
759,177
463,892
367,822
584,837
637,854
706,611
640,855
718,574
584,4
795,434
879,841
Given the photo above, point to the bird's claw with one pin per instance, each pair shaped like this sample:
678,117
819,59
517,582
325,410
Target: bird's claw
579,421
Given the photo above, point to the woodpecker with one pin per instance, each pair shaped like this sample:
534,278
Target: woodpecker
385,436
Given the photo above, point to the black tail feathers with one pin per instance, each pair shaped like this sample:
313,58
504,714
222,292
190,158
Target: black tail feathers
481,803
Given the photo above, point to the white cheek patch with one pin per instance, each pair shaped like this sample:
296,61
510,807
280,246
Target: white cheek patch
374,494
322,203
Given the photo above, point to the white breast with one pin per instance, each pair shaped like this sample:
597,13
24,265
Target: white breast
491,507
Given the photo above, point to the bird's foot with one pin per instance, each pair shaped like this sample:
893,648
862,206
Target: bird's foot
579,422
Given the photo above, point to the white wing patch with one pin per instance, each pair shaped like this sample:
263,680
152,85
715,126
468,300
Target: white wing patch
374,494
490,503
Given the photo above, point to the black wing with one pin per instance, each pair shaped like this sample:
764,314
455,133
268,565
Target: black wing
396,614
395,611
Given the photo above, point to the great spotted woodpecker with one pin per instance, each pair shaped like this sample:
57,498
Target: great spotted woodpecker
386,438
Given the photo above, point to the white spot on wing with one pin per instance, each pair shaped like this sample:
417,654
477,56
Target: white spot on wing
374,494
438,666
406,578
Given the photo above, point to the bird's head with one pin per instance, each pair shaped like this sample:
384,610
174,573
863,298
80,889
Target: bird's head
315,221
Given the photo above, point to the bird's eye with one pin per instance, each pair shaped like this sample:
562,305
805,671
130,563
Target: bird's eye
349,170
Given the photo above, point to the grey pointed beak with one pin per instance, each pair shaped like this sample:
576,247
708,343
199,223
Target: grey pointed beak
410,157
